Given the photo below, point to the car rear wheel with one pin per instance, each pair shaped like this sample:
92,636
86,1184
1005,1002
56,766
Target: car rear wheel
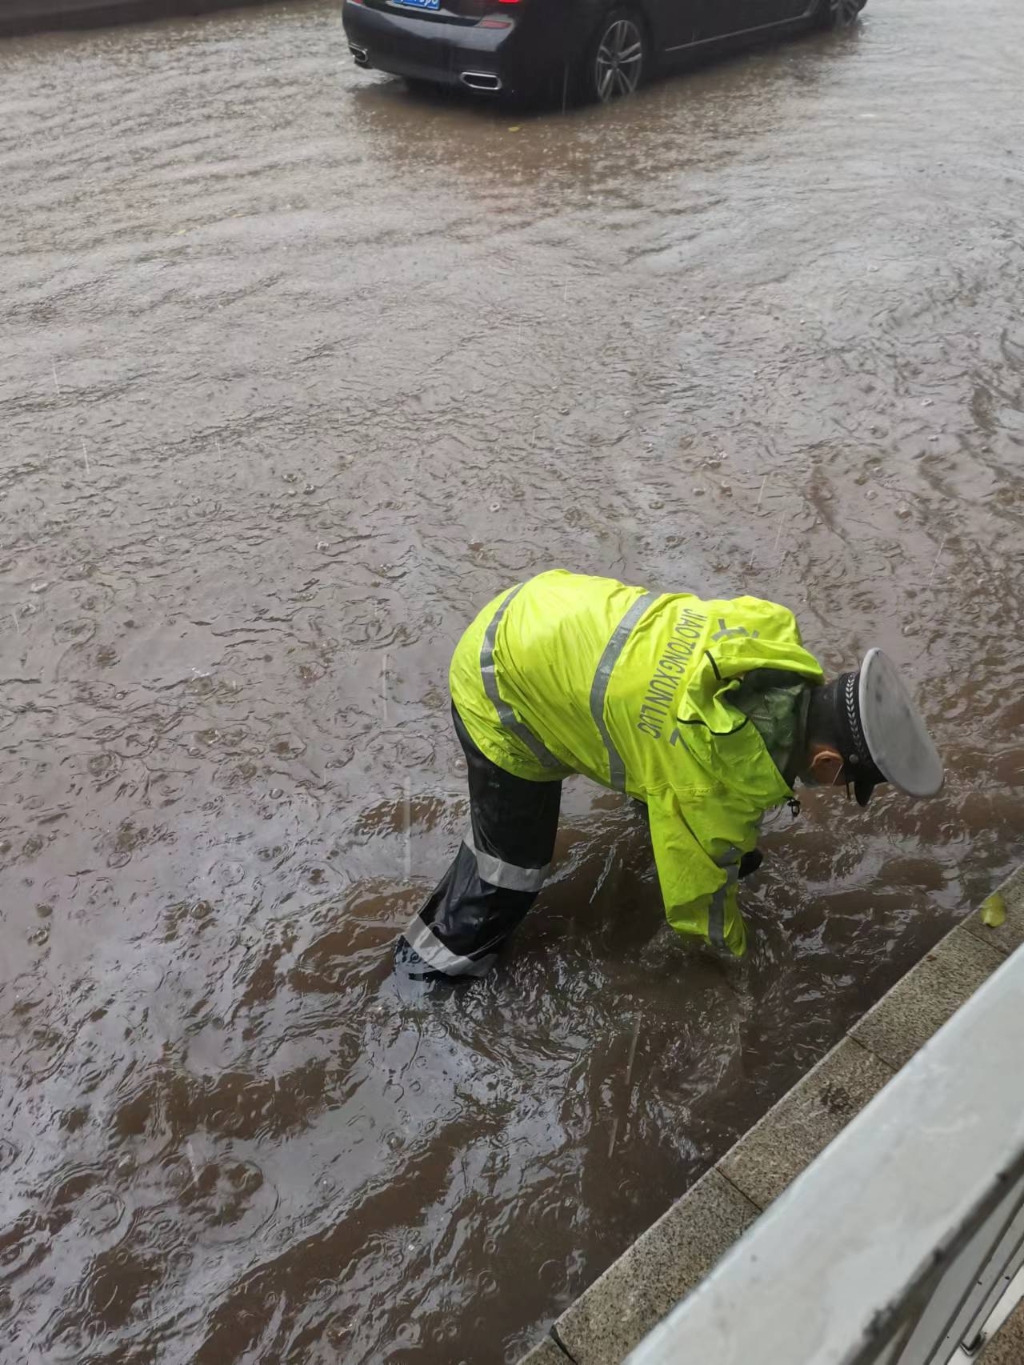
839,13
616,58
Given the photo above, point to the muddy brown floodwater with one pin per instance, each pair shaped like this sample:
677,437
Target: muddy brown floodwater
297,371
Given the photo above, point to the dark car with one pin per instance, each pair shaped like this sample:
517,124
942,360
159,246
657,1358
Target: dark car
583,49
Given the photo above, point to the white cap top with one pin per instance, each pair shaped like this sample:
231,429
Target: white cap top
894,729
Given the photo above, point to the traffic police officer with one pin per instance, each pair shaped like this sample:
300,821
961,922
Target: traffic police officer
708,712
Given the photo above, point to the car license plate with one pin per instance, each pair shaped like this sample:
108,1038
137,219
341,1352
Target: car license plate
419,4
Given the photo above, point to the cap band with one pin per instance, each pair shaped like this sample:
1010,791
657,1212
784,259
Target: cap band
856,753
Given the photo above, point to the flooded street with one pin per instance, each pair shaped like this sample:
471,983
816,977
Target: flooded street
297,371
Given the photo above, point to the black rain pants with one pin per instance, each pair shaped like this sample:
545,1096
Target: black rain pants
496,876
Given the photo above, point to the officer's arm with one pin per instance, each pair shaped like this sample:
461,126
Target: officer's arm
718,922
699,873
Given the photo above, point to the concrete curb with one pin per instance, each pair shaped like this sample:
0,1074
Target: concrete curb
666,1262
545,1353
1005,1348
670,1259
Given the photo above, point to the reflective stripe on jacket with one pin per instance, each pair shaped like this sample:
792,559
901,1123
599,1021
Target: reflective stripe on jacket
567,673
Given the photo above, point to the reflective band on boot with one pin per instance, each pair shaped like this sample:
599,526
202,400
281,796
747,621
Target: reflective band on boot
423,941
508,876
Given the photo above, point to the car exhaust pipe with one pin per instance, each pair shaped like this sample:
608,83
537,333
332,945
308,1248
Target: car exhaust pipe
481,80
359,53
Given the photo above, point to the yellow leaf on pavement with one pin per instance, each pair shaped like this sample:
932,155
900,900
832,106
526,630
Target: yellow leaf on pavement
993,911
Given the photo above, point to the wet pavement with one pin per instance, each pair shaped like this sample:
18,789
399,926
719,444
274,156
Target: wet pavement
297,371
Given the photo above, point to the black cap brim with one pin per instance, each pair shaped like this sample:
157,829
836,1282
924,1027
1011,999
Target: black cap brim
862,789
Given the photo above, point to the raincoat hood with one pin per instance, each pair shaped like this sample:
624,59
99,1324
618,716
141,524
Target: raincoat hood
768,638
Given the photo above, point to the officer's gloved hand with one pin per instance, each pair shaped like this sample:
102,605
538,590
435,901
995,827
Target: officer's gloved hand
750,862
